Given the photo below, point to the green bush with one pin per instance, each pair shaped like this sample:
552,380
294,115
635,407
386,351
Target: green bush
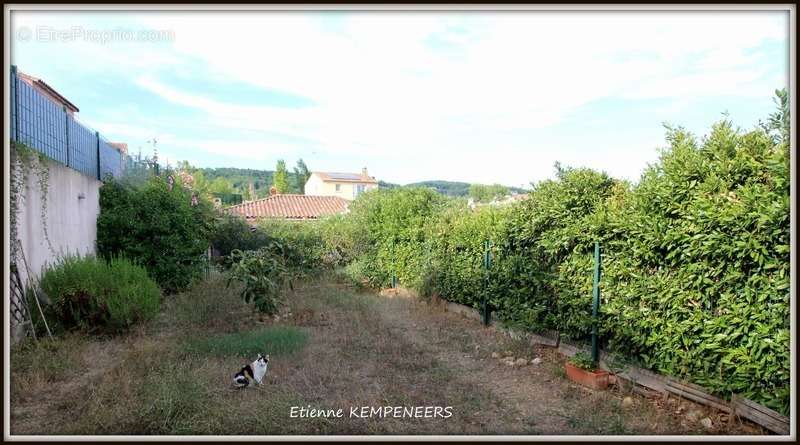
695,277
697,270
263,273
299,243
388,233
156,227
98,296
231,233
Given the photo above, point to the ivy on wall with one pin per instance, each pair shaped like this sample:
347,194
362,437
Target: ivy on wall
24,162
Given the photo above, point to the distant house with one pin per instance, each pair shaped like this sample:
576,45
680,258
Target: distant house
343,185
291,207
506,200
121,146
46,90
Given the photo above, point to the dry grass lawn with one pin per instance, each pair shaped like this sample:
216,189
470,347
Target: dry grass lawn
333,348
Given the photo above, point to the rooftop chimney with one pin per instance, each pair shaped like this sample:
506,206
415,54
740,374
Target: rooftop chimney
364,172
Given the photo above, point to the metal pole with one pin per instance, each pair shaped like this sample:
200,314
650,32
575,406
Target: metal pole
97,135
394,271
487,264
66,131
596,303
15,79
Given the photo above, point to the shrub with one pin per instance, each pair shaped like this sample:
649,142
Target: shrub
231,233
156,227
339,240
263,274
388,231
98,296
299,243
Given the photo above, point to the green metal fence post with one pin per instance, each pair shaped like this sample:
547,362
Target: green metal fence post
487,264
394,267
596,303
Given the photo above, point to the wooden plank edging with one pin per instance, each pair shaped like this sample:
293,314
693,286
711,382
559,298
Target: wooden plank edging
738,405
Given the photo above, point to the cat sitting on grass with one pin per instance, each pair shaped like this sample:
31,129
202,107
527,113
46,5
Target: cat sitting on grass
256,371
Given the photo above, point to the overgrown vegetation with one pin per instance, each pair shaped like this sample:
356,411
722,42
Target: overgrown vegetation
157,225
695,256
264,276
97,296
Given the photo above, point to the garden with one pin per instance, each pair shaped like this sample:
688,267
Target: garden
695,286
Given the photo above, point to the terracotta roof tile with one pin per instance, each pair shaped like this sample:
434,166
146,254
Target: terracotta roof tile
290,207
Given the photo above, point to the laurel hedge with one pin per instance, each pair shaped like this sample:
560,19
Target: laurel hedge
695,280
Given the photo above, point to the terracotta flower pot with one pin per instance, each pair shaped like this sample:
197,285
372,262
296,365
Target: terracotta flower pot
597,379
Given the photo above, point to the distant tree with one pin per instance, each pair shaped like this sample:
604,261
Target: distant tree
221,185
487,193
281,178
301,175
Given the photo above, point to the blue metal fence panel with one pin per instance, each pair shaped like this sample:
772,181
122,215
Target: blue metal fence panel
82,149
45,126
110,160
13,92
42,123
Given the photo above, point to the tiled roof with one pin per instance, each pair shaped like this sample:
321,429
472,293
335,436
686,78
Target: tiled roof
290,207
345,177
48,89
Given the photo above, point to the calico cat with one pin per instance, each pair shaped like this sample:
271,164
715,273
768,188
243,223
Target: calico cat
256,371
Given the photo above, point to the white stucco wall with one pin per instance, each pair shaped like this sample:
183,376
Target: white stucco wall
317,187
71,221
313,185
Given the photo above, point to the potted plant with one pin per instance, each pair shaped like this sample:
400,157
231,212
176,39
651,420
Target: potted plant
582,369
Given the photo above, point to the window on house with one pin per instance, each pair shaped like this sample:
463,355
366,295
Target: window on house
338,187
359,189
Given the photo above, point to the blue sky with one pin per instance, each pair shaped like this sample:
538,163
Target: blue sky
476,97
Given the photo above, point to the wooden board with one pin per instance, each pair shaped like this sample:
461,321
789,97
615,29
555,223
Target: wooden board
645,378
544,340
570,349
463,310
772,420
646,381
697,394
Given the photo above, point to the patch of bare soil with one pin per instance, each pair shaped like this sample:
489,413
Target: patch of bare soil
538,398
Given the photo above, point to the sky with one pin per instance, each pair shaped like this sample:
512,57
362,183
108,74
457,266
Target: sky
473,96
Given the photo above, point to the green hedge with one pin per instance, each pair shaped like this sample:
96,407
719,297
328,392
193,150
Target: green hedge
695,277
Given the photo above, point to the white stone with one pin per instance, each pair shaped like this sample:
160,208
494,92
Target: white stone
707,424
693,415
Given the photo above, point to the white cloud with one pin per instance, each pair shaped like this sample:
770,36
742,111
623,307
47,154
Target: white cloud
420,83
